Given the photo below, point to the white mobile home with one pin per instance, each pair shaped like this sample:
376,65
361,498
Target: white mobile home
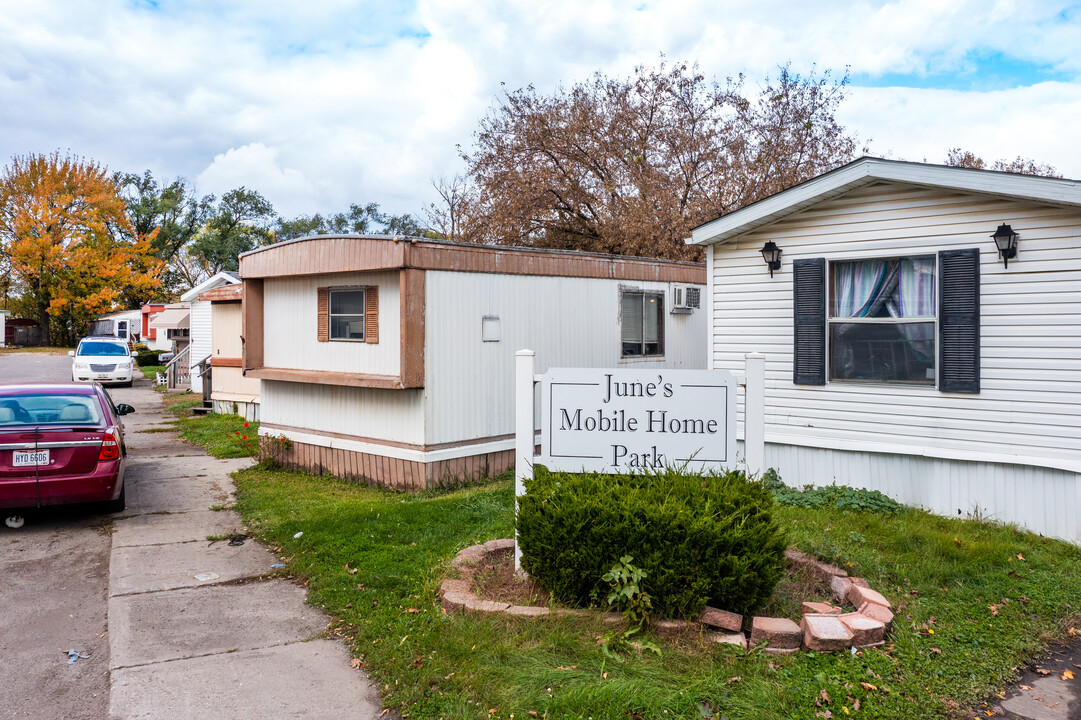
392,360
201,323
230,391
905,352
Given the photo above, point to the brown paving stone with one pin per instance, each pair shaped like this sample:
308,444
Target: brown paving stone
818,608
670,627
865,631
502,545
860,582
532,611
825,633
857,596
840,585
878,612
484,607
470,555
721,619
454,585
454,602
730,638
778,632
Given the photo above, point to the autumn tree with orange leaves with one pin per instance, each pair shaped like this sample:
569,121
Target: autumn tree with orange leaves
68,240
631,165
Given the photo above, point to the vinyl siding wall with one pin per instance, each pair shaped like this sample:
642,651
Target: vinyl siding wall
1028,412
290,313
201,341
568,322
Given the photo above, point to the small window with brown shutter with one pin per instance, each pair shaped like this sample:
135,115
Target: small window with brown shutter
349,314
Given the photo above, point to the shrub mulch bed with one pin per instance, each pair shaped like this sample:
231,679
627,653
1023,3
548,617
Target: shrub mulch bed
487,583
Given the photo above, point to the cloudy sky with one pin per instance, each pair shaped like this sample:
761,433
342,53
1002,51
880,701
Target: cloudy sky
322,103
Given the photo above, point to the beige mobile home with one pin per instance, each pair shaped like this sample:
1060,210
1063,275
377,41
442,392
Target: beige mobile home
230,391
392,360
905,351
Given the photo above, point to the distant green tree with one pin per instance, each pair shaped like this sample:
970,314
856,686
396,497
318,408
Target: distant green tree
358,220
178,214
242,221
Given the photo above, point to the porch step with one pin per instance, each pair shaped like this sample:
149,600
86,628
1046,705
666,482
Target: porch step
201,410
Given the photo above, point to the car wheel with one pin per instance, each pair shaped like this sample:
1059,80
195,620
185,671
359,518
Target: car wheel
118,505
129,383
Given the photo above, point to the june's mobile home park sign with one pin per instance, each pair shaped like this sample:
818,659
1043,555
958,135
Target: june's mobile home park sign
620,420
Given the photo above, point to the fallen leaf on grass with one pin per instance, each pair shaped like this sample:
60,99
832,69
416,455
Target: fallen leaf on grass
936,651
868,686
1072,632
1020,557
1067,674
412,610
532,714
604,676
993,608
355,663
739,678
448,677
824,714
825,697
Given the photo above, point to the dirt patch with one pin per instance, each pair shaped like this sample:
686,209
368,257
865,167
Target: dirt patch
797,586
494,579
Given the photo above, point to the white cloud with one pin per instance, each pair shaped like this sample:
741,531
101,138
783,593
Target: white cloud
318,105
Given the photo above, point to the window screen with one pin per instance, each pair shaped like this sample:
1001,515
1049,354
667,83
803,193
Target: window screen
347,314
642,323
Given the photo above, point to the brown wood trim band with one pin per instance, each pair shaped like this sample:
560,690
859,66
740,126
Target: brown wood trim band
225,293
333,254
388,443
251,333
218,361
324,377
412,300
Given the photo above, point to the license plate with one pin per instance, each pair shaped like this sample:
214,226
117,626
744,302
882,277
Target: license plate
103,377
31,459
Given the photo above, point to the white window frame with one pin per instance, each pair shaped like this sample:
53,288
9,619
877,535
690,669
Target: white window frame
830,320
331,315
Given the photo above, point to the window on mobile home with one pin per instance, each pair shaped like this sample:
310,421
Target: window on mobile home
882,320
347,315
642,323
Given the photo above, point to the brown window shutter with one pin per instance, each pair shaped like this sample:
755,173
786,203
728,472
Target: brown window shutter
324,315
371,314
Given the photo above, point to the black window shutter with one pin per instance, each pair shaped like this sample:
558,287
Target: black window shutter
809,309
959,321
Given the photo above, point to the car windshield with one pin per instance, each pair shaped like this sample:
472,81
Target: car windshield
102,348
52,409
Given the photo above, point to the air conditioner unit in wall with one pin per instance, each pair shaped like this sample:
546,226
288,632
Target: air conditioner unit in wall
685,298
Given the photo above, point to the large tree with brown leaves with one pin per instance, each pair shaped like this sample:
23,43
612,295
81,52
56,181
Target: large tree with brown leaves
630,165
69,242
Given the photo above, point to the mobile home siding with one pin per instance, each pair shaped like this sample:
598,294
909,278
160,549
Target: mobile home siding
292,303
569,322
389,415
201,341
1029,405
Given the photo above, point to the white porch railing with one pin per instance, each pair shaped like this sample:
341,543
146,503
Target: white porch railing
178,372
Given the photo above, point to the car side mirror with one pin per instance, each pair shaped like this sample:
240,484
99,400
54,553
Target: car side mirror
124,409
71,353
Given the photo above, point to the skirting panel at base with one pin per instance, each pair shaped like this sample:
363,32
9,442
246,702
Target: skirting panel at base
380,470
1044,500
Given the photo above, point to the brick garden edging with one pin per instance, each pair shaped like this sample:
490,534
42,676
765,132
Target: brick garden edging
824,627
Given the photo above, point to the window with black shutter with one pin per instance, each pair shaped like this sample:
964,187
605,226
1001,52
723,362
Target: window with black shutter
959,321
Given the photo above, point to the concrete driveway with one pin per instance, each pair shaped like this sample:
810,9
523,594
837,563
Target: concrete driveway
194,629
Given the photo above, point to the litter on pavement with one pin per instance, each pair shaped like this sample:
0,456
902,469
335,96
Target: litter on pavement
203,577
74,655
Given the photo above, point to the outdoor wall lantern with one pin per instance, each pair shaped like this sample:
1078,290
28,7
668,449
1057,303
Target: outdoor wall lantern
1006,242
772,255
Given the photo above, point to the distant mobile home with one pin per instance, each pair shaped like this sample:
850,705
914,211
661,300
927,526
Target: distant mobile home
904,352
201,323
392,360
230,391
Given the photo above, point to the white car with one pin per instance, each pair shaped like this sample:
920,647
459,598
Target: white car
106,360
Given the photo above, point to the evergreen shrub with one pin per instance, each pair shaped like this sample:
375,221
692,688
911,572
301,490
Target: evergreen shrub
147,357
701,539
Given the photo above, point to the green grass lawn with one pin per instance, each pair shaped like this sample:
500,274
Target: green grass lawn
151,371
223,436
973,601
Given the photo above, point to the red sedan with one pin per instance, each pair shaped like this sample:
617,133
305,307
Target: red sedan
61,443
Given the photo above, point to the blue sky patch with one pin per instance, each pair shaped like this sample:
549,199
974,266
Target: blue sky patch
979,72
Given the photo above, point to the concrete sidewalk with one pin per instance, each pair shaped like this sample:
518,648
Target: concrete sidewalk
231,645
